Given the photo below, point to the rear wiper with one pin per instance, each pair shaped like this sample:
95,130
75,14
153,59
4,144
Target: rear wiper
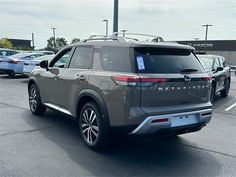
188,70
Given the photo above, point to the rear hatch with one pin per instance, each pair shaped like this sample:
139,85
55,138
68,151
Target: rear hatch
170,77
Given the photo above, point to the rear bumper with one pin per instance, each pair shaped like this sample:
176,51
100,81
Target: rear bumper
153,124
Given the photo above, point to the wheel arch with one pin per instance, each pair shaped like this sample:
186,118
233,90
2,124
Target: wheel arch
89,95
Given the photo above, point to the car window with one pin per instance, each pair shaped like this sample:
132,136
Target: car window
165,61
216,63
82,58
206,62
222,62
116,59
62,60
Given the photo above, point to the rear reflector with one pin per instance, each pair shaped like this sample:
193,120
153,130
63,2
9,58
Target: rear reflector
160,120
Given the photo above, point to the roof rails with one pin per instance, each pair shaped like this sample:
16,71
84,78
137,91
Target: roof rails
116,37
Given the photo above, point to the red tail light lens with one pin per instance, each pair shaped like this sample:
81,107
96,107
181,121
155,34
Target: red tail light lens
206,78
136,81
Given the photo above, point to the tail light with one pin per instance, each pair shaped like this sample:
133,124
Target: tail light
206,78
12,61
136,81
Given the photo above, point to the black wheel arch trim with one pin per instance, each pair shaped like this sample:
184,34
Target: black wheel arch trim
99,100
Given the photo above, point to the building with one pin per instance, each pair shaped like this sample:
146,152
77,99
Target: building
21,44
225,48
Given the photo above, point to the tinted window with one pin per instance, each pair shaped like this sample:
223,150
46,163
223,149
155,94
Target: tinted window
116,59
157,60
82,58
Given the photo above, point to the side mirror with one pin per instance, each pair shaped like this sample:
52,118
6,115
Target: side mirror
219,68
44,64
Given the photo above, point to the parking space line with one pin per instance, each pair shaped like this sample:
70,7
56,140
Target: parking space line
230,107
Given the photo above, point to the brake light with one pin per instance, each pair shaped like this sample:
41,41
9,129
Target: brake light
136,81
206,78
12,61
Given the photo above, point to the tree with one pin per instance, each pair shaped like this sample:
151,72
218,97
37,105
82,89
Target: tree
75,40
60,43
5,43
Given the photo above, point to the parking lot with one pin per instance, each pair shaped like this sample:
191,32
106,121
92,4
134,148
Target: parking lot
51,146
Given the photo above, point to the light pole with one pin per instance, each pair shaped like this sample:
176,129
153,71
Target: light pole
206,26
115,17
106,21
54,36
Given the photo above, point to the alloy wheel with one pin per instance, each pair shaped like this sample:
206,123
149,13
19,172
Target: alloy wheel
32,99
89,125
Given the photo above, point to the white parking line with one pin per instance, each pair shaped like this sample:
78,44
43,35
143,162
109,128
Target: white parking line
230,107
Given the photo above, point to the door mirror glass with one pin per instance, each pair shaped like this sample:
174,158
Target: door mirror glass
44,64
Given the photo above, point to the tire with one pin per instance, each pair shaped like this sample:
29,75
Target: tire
11,74
225,92
213,93
93,128
35,103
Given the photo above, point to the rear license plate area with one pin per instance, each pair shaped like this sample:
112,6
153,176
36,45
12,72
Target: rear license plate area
184,120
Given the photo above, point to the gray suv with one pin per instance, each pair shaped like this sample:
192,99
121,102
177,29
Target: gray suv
115,85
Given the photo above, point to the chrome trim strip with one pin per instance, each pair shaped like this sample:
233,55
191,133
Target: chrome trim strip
147,127
58,108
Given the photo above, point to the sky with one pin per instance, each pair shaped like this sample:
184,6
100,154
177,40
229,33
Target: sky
170,19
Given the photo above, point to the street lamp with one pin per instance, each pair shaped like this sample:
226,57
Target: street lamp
206,26
106,21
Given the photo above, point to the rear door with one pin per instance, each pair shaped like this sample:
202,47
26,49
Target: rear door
170,77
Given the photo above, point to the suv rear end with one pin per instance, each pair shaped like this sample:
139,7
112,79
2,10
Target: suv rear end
148,88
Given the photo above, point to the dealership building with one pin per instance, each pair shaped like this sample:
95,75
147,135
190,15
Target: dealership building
225,48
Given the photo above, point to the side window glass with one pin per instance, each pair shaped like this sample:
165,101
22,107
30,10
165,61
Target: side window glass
82,58
216,63
222,62
61,62
115,59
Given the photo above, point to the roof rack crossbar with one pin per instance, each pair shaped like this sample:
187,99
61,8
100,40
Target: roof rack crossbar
115,36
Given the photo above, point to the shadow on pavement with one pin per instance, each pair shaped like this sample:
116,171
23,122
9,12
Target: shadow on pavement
127,156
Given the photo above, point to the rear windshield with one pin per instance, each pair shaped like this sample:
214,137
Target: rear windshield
157,60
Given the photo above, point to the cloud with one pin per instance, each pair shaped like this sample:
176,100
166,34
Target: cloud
172,19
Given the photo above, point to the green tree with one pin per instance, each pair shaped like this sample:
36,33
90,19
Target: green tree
75,40
60,43
5,43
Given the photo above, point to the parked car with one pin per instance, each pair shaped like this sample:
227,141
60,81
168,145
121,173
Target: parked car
45,52
29,65
221,75
115,85
7,52
14,64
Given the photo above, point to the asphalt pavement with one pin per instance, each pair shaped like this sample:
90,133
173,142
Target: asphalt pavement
51,146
